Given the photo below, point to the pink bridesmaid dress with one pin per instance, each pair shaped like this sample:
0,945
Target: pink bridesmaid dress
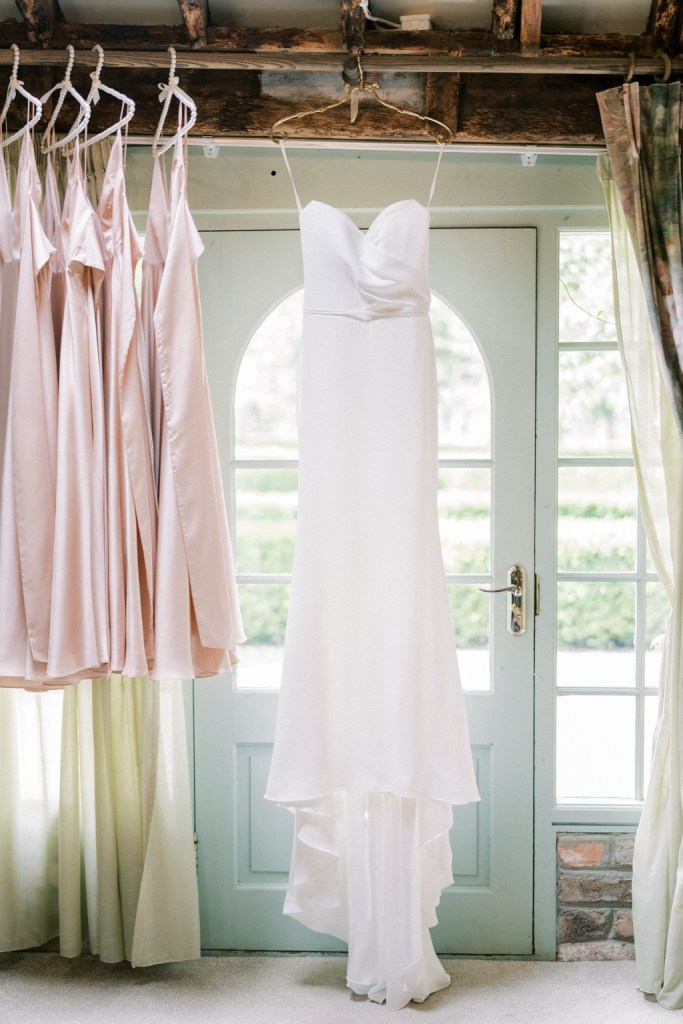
197,619
29,431
131,499
79,631
52,225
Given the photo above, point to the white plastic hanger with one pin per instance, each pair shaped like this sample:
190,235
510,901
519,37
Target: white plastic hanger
65,87
167,90
93,97
14,87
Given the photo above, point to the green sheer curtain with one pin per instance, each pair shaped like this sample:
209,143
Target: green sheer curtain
641,177
96,837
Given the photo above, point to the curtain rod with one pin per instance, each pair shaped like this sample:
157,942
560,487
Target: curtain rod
378,146
508,64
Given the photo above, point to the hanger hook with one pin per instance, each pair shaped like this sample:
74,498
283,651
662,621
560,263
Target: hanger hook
100,62
171,73
69,67
15,63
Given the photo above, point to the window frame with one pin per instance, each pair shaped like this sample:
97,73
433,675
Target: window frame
595,812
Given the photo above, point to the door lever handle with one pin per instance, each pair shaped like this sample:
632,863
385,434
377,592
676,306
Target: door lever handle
516,588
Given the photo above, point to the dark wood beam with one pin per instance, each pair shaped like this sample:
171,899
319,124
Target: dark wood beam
39,16
196,20
378,64
507,109
664,22
530,27
289,42
442,94
353,25
505,18
531,110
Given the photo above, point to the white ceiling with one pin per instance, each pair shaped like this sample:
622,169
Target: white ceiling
625,16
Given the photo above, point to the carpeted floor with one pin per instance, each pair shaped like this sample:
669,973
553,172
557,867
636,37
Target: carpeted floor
44,988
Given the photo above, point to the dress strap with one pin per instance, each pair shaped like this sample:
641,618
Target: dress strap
289,171
436,174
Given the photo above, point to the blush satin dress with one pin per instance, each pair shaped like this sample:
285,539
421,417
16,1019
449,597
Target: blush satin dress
372,746
198,625
28,430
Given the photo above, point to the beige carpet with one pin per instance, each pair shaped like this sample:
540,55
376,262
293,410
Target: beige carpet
43,988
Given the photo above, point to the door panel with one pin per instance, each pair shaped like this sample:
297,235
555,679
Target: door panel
487,276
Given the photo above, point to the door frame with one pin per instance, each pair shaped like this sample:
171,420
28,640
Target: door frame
244,188
237,726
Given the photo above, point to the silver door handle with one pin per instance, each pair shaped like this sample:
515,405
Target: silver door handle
516,588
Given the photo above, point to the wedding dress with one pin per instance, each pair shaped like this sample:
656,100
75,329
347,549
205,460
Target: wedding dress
372,746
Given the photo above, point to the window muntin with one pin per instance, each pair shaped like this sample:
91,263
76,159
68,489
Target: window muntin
611,609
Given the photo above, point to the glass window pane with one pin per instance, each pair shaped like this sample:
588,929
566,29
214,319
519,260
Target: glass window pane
651,714
464,499
470,615
593,405
596,634
657,610
264,612
266,398
597,519
586,301
266,501
596,749
464,394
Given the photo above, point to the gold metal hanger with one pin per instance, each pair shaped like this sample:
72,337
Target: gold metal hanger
352,93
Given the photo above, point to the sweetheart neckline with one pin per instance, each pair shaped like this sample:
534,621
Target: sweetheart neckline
391,206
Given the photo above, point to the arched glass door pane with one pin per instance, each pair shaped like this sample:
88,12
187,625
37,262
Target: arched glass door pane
265,397
465,482
266,478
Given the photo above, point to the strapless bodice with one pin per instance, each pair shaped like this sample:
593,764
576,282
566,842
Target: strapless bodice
366,275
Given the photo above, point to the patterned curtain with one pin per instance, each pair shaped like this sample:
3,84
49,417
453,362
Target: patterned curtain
641,177
642,129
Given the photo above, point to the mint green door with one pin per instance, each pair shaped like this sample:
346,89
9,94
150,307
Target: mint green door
483,315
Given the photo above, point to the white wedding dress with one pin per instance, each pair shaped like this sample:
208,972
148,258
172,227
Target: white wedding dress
372,746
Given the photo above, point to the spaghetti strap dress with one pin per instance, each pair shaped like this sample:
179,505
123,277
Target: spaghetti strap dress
198,625
29,428
130,494
372,746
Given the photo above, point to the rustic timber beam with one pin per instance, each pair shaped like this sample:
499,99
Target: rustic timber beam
353,25
442,93
504,18
39,17
530,27
504,109
291,41
664,23
442,63
196,20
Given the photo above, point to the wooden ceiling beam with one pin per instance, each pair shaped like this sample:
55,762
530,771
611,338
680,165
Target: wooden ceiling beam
442,93
195,15
378,64
504,109
664,24
353,25
505,19
231,42
39,17
530,27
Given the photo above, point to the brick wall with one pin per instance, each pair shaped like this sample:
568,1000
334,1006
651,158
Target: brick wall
594,896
